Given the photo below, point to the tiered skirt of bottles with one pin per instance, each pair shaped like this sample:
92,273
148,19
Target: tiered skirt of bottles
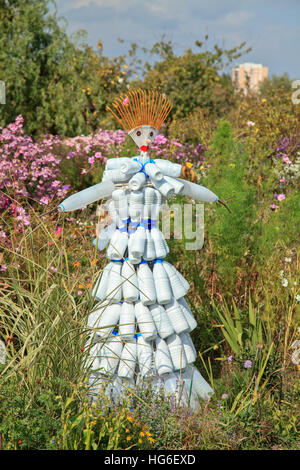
142,323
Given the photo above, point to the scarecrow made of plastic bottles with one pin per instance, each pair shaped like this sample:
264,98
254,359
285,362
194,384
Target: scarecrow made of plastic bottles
141,323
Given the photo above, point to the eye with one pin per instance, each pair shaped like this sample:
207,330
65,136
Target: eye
138,133
151,134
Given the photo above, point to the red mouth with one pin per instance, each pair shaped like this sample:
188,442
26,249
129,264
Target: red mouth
144,148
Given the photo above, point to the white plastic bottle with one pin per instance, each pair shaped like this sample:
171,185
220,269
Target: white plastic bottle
100,287
162,186
144,354
161,320
168,168
177,185
104,237
153,171
146,284
128,358
159,245
176,352
162,283
127,321
199,384
104,318
177,287
189,349
197,192
130,282
170,268
111,354
163,361
138,243
137,181
176,317
145,322
149,253
114,282
87,196
118,244
187,314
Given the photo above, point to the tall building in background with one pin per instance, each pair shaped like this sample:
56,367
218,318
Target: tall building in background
249,75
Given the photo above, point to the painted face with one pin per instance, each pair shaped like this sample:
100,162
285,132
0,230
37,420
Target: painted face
143,136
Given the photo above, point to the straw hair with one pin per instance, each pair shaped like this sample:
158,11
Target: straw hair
139,108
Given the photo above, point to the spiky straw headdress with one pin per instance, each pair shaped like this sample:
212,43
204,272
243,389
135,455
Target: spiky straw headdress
139,108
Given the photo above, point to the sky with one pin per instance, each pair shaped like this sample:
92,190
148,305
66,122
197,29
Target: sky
270,27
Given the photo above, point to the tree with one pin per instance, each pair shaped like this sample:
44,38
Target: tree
59,84
192,80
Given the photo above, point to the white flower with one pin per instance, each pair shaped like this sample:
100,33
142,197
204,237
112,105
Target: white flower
288,260
284,282
297,297
281,273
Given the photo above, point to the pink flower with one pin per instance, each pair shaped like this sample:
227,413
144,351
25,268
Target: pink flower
274,206
286,160
58,231
250,123
98,155
44,200
282,180
3,267
280,197
91,160
79,293
125,101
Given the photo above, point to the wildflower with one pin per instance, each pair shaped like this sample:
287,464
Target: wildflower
140,441
224,396
44,200
151,440
53,268
286,160
142,434
263,100
128,438
98,155
127,430
91,160
80,286
281,273
250,123
88,285
280,197
248,364
20,442
76,264
288,260
79,293
297,297
284,282
126,100
274,206
282,180
58,230
189,164
3,267
229,359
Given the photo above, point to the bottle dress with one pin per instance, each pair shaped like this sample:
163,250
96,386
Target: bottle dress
141,322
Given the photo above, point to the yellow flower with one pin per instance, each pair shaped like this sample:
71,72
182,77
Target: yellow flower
129,418
142,433
80,286
263,100
93,262
202,167
127,430
125,66
128,438
151,440
215,346
76,264
140,441
189,164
